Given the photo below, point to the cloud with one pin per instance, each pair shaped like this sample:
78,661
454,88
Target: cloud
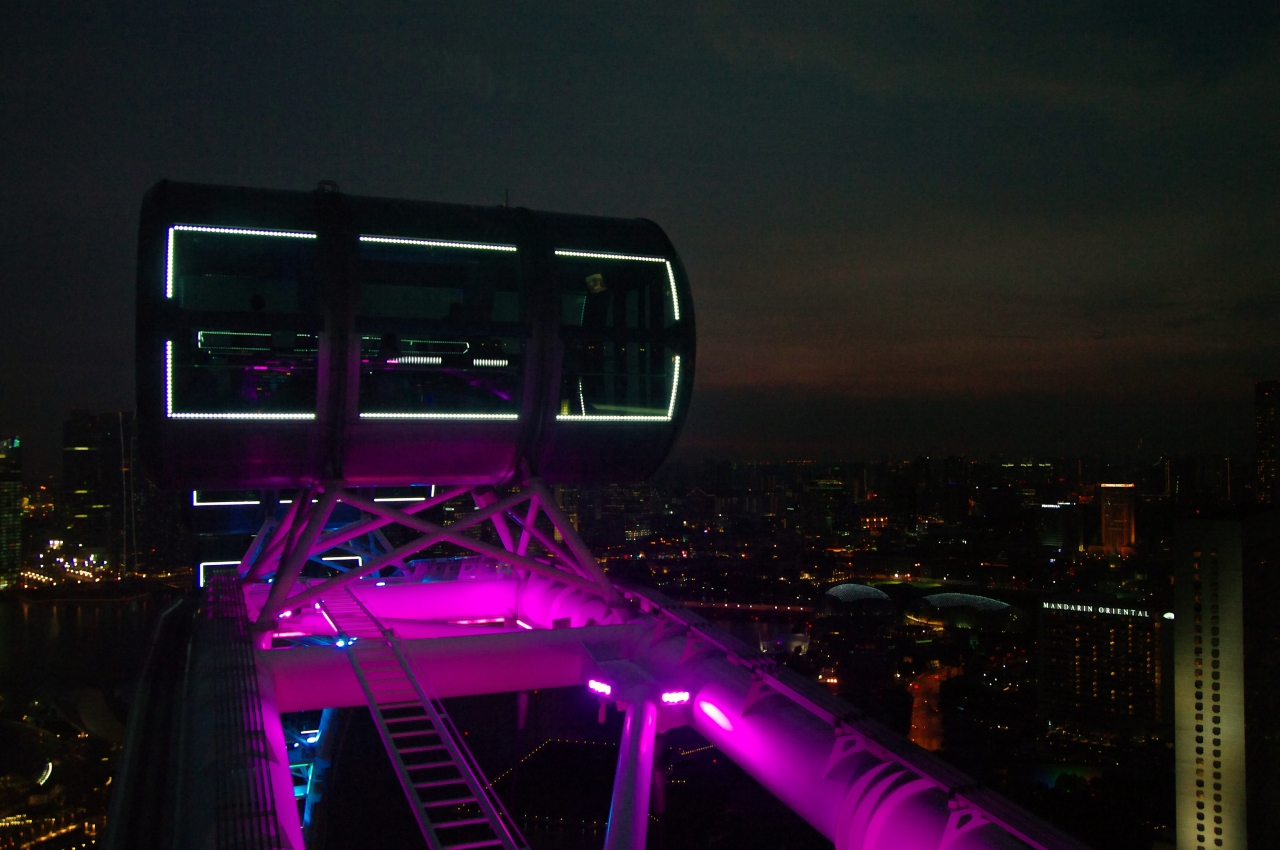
1125,60
956,306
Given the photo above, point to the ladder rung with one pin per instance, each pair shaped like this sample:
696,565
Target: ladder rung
452,801
492,842
413,732
440,783
465,822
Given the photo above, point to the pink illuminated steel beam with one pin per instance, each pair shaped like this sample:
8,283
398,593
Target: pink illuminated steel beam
269,556
582,554
452,534
291,567
270,611
433,533
483,498
529,529
632,779
366,526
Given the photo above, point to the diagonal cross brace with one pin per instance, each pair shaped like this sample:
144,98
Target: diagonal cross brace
432,534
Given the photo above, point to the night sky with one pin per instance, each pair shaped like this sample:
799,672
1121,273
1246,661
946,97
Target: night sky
911,227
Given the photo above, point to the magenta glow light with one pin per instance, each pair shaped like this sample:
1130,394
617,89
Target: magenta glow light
599,687
716,715
676,698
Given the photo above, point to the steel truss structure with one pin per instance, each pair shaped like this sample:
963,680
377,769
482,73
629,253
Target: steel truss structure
549,616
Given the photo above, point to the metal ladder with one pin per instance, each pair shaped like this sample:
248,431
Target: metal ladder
450,799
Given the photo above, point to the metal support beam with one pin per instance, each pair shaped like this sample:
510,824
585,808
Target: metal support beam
579,549
271,551
629,809
291,567
311,543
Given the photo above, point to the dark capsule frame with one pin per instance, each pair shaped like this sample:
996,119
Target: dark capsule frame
290,337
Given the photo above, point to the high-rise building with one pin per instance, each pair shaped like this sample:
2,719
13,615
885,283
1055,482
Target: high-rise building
1266,401
1118,533
1261,583
96,502
1209,689
10,508
1102,663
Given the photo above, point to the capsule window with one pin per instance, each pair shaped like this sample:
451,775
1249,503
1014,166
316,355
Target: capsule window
247,340
621,353
440,329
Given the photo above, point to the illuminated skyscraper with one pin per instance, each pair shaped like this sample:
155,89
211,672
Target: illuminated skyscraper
10,508
1266,400
96,502
1117,517
1209,689
1102,663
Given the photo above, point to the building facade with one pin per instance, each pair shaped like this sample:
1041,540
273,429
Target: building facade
1102,664
95,501
1118,528
1209,689
10,508
1266,406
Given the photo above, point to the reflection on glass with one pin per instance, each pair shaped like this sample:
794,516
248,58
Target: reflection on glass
616,314
440,331
230,362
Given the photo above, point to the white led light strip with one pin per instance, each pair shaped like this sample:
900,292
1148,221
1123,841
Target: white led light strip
508,417
671,275
236,231
671,406
195,501
434,243
168,399
412,360
482,361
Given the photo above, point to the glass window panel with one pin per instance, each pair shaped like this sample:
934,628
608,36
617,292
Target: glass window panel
615,312
225,364
221,372
440,330
243,272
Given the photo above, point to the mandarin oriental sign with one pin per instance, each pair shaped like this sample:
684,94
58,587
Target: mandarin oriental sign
1096,609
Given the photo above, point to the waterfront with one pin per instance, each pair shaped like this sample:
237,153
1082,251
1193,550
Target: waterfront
68,669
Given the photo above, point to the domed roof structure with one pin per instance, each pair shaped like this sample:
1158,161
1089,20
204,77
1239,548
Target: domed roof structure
957,600
856,592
